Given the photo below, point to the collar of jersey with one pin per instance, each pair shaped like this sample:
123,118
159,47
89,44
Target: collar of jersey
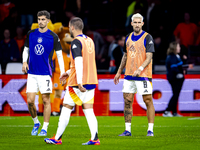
82,35
42,32
137,37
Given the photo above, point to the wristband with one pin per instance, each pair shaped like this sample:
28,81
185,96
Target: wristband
141,68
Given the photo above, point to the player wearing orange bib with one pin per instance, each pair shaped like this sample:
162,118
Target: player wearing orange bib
137,58
81,83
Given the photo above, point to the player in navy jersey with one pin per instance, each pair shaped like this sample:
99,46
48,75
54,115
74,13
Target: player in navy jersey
37,62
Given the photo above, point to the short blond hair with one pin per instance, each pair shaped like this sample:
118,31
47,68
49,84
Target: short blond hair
137,15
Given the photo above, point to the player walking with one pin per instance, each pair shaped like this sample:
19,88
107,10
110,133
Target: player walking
81,83
37,62
138,52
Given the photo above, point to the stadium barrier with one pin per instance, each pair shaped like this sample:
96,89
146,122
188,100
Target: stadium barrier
108,97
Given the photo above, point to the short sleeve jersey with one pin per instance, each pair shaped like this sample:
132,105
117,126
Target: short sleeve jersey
41,47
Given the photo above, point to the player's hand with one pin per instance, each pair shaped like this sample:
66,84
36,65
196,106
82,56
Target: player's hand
137,73
184,57
116,79
81,88
63,77
25,67
64,82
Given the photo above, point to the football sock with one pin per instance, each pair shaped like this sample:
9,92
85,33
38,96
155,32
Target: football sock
150,127
35,120
92,123
45,125
63,121
128,126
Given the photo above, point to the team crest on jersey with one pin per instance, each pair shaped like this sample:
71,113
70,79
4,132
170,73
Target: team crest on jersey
55,85
39,40
132,51
39,49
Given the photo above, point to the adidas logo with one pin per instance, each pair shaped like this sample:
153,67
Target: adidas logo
145,91
151,42
48,89
74,46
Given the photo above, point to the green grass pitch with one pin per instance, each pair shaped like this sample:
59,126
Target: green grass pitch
169,134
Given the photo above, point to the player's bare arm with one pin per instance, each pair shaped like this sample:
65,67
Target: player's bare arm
64,77
123,63
148,59
145,64
121,68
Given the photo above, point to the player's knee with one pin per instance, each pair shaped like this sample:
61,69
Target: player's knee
46,99
46,102
57,96
87,106
128,99
58,93
127,103
148,100
30,98
68,106
30,101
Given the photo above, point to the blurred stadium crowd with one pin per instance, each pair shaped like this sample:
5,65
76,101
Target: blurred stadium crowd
107,22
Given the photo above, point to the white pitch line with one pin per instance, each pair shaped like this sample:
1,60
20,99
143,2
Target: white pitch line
6,118
105,126
193,118
15,126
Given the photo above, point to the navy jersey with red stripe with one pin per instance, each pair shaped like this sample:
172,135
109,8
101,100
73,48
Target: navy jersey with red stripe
41,47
